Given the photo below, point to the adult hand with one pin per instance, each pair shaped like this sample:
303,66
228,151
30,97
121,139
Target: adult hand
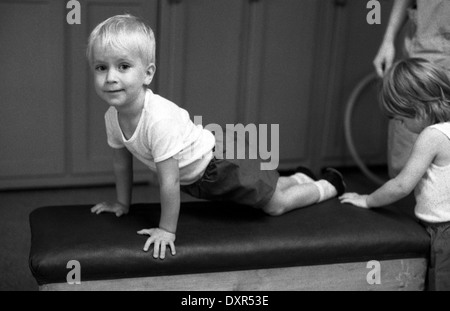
384,59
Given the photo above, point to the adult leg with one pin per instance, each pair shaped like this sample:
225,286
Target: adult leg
400,144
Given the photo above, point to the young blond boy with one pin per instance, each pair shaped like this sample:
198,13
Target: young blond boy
121,54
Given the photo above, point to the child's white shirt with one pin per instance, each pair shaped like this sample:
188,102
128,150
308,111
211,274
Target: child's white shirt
164,131
433,191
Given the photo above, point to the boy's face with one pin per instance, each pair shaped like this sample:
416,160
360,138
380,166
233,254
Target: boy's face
120,77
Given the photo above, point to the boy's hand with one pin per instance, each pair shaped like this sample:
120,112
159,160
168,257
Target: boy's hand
354,199
117,208
160,239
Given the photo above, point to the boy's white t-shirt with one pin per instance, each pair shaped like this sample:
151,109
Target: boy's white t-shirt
164,130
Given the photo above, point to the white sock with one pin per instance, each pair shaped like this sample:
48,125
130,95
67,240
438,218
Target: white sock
326,190
302,178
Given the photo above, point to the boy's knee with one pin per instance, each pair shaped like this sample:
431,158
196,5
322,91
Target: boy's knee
273,209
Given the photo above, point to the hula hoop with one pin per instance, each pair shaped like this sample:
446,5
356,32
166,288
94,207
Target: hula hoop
347,125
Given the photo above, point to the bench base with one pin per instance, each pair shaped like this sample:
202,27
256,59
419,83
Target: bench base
395,275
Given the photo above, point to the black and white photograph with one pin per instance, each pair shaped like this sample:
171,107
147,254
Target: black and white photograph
228,153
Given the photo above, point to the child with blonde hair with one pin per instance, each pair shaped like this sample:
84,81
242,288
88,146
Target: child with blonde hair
417,93
121,54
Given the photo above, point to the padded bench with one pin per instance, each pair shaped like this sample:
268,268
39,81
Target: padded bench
223,246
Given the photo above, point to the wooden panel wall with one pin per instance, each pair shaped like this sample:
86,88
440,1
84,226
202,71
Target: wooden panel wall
32,88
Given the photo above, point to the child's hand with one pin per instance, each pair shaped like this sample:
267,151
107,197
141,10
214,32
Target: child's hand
160,239
117,208
354,199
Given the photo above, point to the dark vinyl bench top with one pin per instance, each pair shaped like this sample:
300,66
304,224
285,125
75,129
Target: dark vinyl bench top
215,237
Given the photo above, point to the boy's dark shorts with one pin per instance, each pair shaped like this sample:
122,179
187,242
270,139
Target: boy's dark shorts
237,180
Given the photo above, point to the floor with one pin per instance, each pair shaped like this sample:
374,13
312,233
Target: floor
15,206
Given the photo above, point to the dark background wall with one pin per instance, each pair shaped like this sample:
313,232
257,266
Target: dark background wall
286,62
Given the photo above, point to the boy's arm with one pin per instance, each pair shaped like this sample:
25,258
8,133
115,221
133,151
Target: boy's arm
123,171
169,182
423,154
386,54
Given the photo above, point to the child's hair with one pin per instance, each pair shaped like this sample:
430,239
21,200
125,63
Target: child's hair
124,32
416,88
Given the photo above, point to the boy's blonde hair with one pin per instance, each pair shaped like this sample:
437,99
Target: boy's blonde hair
124,32
416,88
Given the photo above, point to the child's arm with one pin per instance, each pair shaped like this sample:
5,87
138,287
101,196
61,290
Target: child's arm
123,171
169,182
423,154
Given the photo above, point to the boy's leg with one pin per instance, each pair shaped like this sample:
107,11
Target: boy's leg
291,193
